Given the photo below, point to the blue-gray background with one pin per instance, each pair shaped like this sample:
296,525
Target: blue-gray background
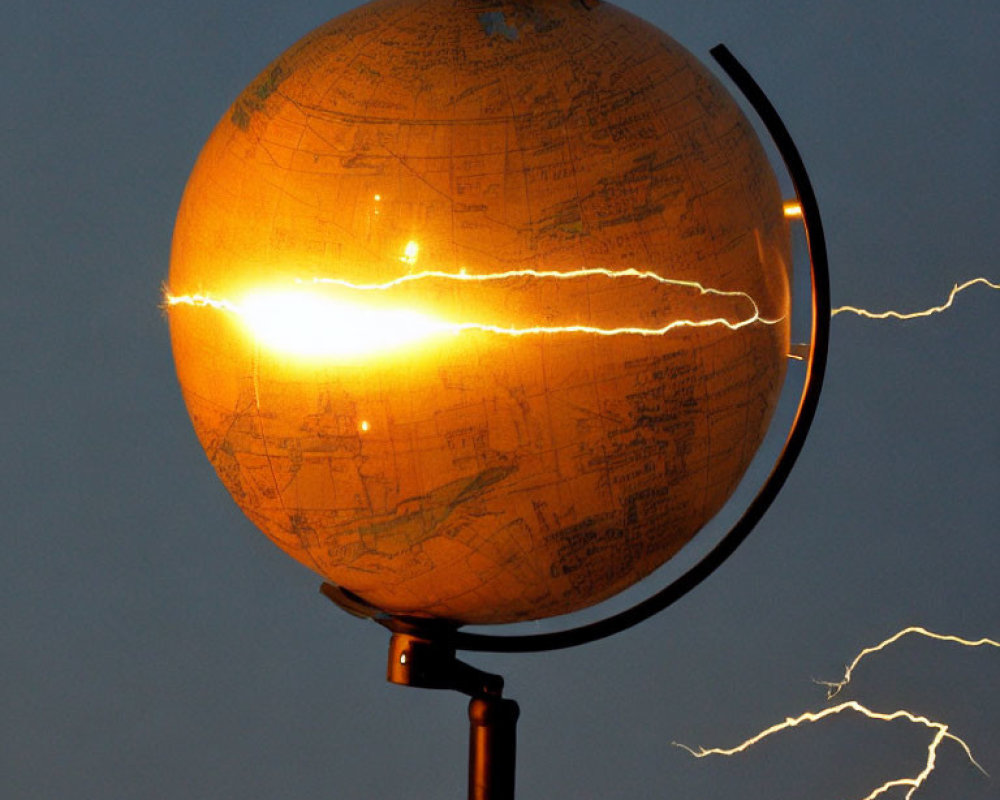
155,645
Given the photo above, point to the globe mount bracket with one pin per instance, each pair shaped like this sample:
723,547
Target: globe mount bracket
422,654
421,651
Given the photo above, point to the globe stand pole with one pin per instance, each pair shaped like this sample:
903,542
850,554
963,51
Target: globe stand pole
422,654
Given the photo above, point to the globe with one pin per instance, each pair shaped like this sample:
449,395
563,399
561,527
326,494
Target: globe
480,309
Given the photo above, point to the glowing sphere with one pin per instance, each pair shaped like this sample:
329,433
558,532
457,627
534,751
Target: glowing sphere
480,310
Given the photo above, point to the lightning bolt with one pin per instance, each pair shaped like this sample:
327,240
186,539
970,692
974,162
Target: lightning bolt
834,687
941,730
463,276
200,301
927,312
548,274
793,209
206,301
311,323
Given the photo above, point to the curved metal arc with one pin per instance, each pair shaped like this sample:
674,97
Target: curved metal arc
819,345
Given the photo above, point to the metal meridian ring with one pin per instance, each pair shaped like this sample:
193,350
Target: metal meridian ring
816,367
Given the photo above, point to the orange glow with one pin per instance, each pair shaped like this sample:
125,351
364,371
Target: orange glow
303,323
792,210
296,322
410,253
927,312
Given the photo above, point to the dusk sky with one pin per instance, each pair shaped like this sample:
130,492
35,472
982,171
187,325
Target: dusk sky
156,645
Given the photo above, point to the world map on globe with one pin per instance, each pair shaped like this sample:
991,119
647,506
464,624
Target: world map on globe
480,309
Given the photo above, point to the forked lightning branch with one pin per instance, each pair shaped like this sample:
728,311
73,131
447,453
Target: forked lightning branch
941,732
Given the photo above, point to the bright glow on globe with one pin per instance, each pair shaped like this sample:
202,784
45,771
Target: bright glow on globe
481,310
297,322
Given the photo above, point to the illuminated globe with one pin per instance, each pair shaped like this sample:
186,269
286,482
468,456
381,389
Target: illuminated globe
480,310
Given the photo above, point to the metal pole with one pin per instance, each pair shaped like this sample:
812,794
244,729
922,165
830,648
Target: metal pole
492,748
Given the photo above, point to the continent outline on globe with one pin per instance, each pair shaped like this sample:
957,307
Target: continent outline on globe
484,476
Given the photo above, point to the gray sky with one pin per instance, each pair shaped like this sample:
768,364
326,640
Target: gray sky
155,645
